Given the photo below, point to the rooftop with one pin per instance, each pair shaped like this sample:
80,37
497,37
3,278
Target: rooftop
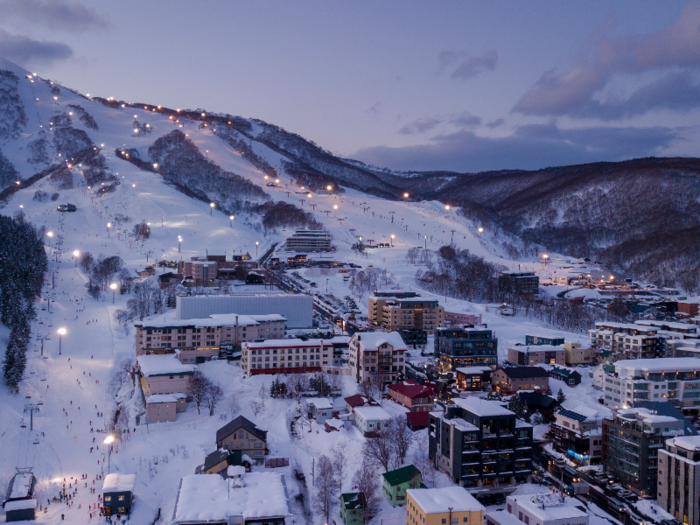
433,501
321,403
373,340
164,398
21,485
214,499
660,364
119,483
548,506
169,320
240,422
411,389
686,442
160,365
401,475
520,372
288,343
373,413
474,369
482,407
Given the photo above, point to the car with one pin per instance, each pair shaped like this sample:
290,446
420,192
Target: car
66,207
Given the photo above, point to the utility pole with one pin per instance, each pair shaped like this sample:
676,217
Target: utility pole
452,238
31,408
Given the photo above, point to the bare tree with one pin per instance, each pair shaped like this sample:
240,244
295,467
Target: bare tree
214,395
297,384
422,462
233,407
328,487
340,460
381,449
197,389
371,387
402,437
367,483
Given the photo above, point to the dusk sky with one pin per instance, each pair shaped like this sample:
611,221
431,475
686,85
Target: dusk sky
463,86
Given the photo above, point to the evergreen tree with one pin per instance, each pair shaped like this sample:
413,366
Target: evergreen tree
560,397
515,405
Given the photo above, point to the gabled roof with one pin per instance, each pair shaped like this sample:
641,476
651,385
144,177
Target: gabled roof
245,424
401,475
215,458
536,399
563,372
358,401
418,419
411,389
351,500
373,340
521,372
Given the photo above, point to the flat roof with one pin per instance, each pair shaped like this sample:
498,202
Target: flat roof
164,398
288,343
169,320
474,369
687,442
21,484
482,407
210,498
548,506
20,504
160,365
320,403
660,364
119,483
456,499
373,413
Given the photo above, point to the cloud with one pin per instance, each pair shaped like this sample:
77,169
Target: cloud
496,123
26,51
470,66
528,147
54,14
460,120
374,110
572,92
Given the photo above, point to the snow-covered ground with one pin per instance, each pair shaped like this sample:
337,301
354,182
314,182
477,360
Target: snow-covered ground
79,387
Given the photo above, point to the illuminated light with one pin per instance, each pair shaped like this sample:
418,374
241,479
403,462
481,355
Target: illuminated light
405,195
113,286
133,185
102,145
229,122
447,207
145,107
232,217
265,177
70,113
136,131
159,107
136,116
123,105
171,117
335,206
155,166
88,95
76,253
481,230
204,114
308,195
277,181
50,234
62,331
148,125
177,110
109,440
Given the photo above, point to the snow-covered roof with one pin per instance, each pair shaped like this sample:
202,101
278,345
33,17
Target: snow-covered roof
433,501
532,489
212,498
686,442
235,471
119,483
660,364
548,506
646,415
21,485
538,348
482,407
501,517
288,343
321,403
335,423
474,369
169,320
373,413
159,365
20,504
164,398
373,340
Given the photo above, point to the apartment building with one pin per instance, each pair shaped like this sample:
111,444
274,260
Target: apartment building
545,509
443,505
574,355
285,356
400,310
164,333
465,347
632,439
309,241
378,355
459,319
689,308
512,379
481,445
687,331
531,340
519,282
537,355
679,478
675,380
631,341
203,271
414,396
579,435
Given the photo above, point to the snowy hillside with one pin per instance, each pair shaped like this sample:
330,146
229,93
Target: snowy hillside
81,156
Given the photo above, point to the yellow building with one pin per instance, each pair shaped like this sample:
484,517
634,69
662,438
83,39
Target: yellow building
445,506
396,310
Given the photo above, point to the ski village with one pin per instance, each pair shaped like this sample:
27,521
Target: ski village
197,331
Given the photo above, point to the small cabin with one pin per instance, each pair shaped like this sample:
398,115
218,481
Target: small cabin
19,501
118,493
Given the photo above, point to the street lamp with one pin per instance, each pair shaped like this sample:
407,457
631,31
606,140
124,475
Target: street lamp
113,287
480,230
308,195
50,234
335,210
329,188
392,240
109,225
544,260
256,249
76,254
61,332
109,440
447,207
211,208
179,243
231,217
21,211
405,195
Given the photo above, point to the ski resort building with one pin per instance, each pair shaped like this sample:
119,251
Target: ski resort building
285,356
309,241
163,374
401,310
465,347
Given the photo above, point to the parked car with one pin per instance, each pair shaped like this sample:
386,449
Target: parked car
66,207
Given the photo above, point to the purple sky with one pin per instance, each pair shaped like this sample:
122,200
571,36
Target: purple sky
465,86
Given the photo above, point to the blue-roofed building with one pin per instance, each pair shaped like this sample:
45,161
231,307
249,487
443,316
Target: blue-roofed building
570,377
578,434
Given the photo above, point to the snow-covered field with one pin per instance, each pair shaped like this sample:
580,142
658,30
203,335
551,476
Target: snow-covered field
79,388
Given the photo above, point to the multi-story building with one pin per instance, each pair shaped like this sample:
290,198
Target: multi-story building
481,445
465,347
378,355
574,355
459,319
414,337
512,379
163,334
683,348
163,374
674,380
377,301
244,436
473,378
687,331
537,355
443,505
579,435
203,271
544,509
531,340
414,396
631,341
400,310
632,439
519,282
689,308
679,479
309,241
285,356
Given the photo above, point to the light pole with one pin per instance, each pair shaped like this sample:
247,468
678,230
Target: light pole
21,211
405,195
61,332
109,225
211,209
335,210
50,235
447,207
231,217
76,254
392,240
480,230
179,243
113,287
544,260
256,249
109,440
329,188
162,221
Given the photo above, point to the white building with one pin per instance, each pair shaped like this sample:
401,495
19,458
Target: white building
679,478
634,341
369,420
544,509
676,380
319,408
377,354
290,356
297,309
309,241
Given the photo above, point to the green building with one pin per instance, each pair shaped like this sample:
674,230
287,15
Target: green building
397,481
351,508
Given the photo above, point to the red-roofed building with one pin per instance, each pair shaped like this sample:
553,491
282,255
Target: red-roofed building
352,402
417,420
414,396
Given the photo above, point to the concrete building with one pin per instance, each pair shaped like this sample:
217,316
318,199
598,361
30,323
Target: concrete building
444,505
162,408
545,509
319,408
532,340
579,435
309,241
201,270
295,308
679,479
379,355
519,282
632,439
481,445
474,378
689,308
163,374
460,319
630,341
465,347
200,339
290,356
512,379
536,355
570,377
673,380
400,310
574,355
688,331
